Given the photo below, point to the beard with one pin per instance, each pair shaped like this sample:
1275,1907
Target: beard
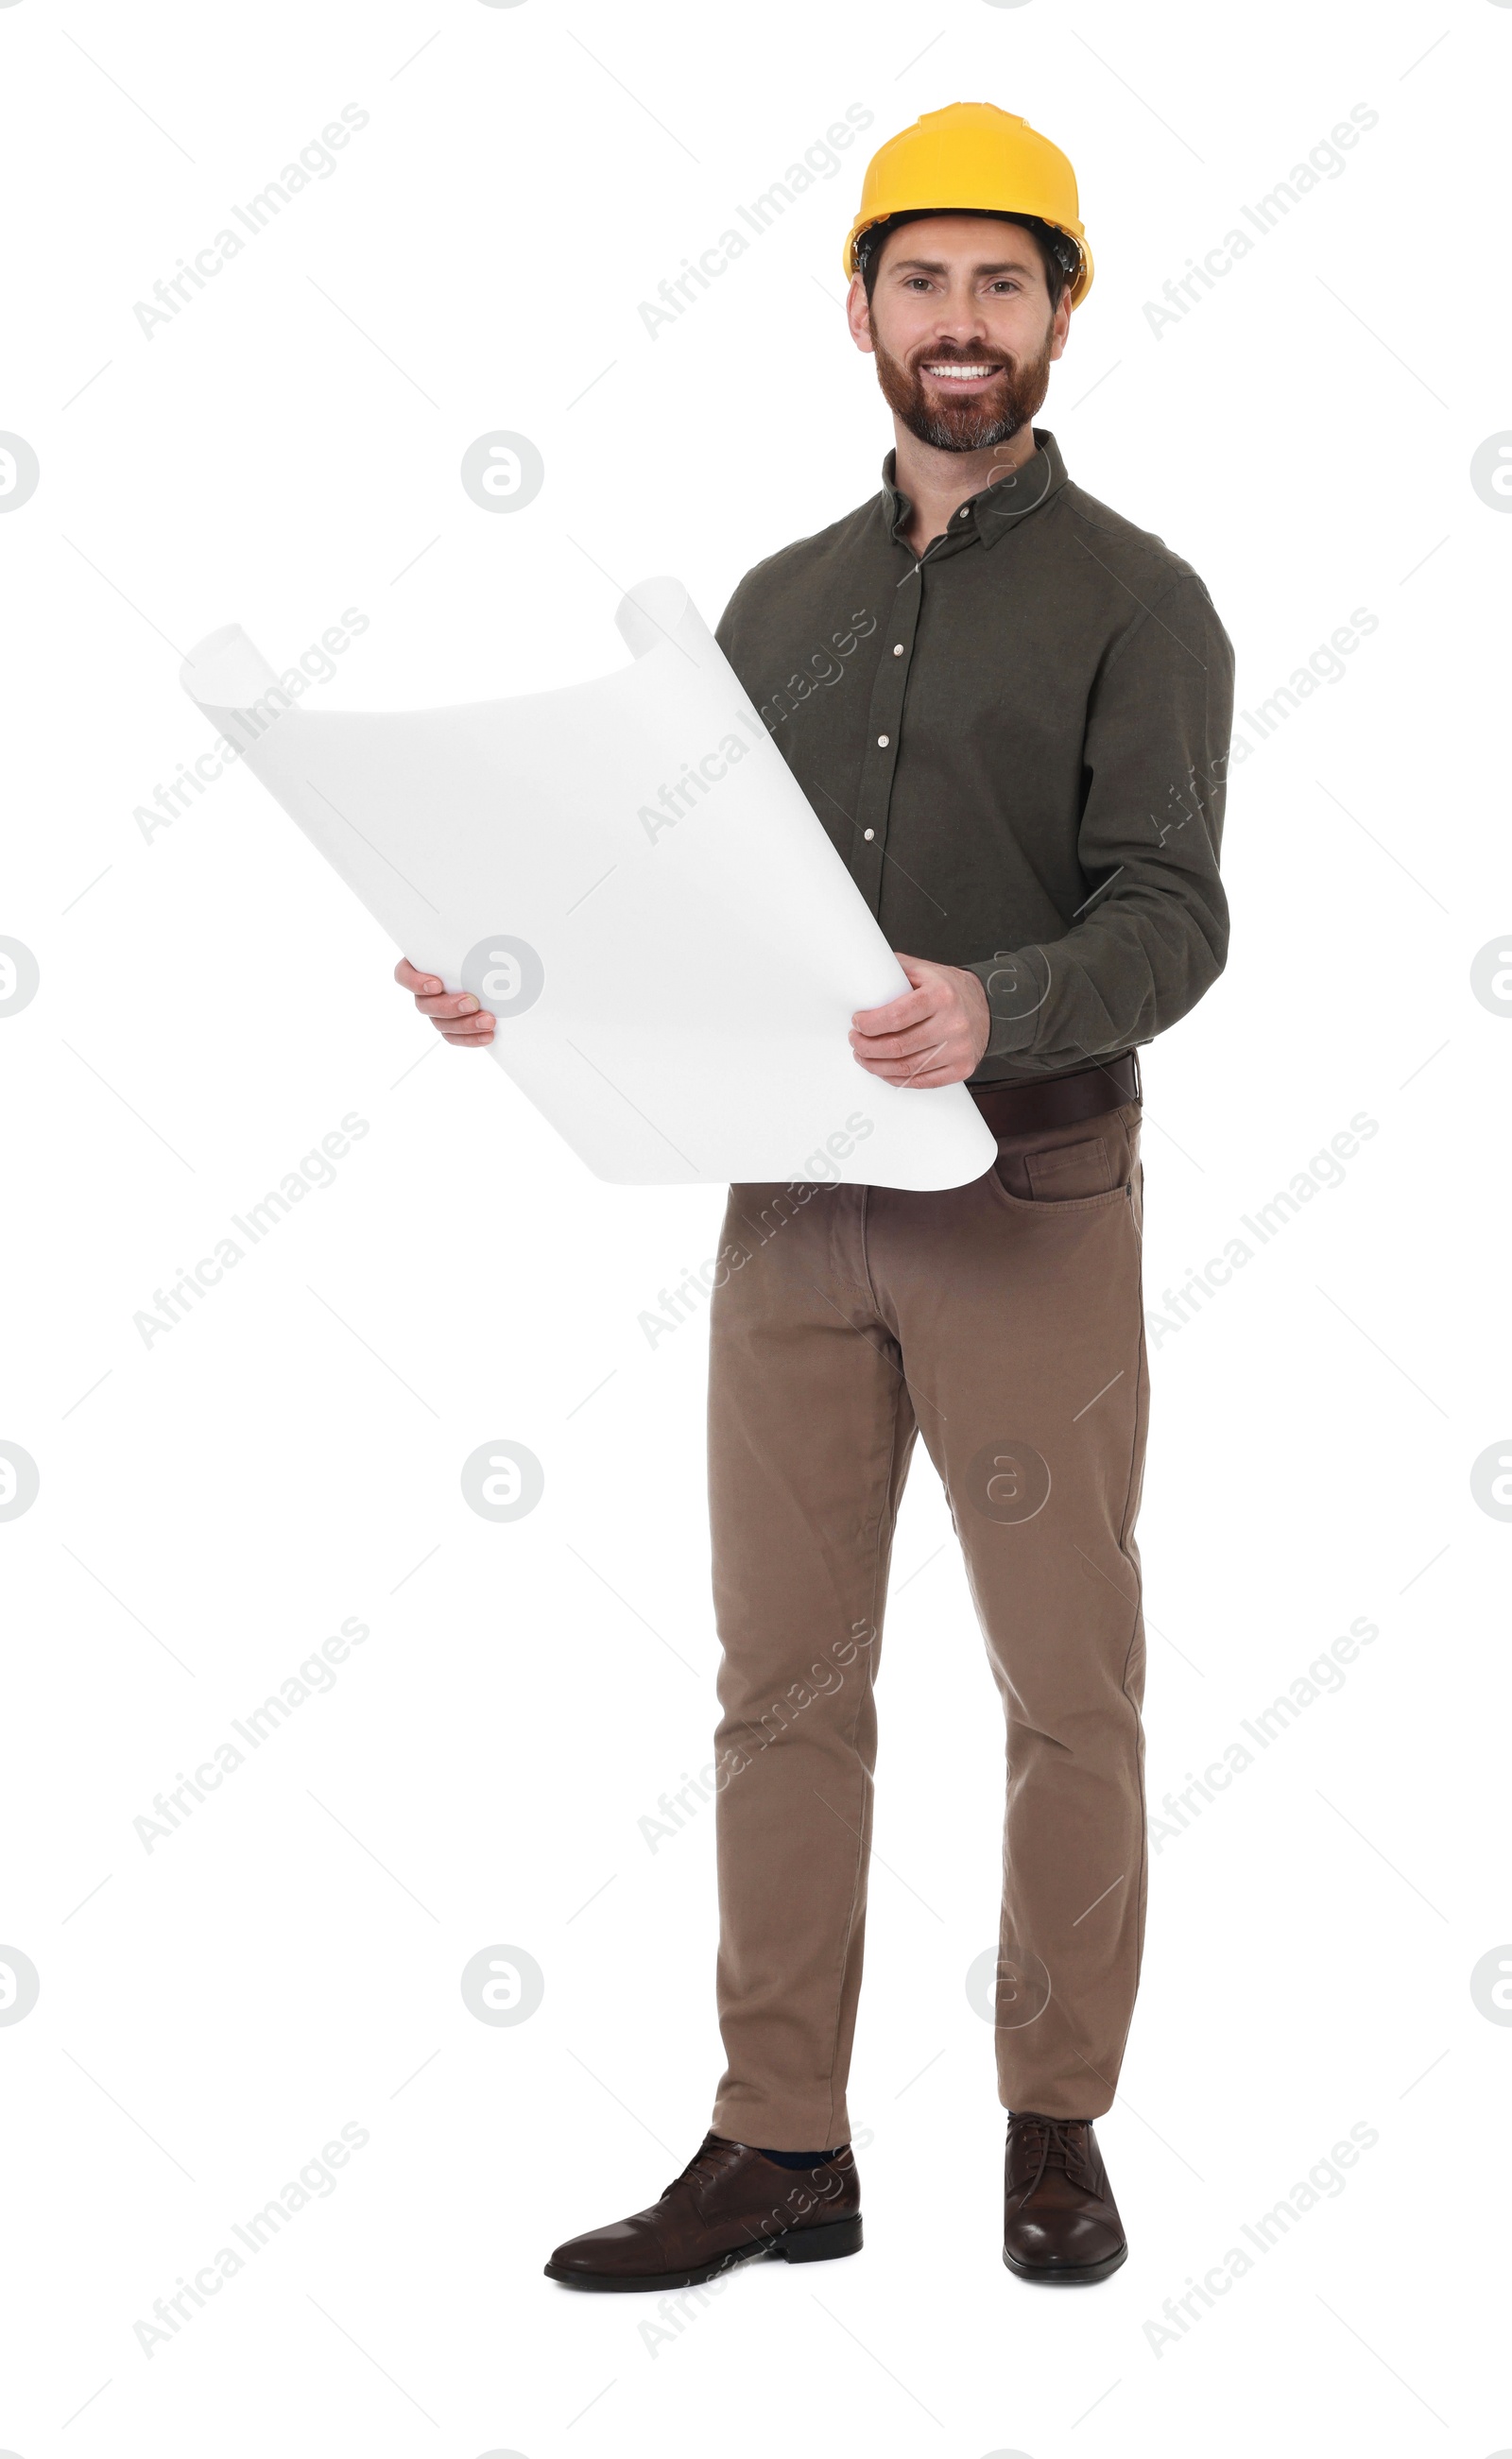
989,418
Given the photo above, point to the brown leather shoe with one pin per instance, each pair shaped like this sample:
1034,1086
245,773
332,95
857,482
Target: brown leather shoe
729,2205
1060,2220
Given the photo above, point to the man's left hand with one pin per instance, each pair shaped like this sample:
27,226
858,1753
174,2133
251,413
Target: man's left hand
933,1034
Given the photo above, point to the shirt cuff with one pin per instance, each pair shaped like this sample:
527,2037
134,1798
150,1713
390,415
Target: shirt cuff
1017,982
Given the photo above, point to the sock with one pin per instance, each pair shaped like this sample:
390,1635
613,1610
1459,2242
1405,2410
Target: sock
799,2159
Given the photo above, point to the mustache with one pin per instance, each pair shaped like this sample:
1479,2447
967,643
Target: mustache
996,359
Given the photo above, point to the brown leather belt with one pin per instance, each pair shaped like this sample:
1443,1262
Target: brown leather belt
1058,1100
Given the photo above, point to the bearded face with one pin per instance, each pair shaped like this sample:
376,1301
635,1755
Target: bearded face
964,397
961,323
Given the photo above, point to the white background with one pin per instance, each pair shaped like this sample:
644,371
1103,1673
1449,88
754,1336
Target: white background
212,1506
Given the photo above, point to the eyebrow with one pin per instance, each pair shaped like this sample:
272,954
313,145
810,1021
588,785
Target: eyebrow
931,265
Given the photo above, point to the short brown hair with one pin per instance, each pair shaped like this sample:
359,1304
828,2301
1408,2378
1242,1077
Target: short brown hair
1059,254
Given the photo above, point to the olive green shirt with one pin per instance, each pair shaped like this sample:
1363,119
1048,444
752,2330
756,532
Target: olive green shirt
1017,742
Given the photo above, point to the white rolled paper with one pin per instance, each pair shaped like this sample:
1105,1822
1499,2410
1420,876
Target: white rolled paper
628,874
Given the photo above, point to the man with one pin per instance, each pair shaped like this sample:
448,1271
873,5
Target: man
1010,708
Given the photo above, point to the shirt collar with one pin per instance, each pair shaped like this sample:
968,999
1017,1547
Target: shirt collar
998,507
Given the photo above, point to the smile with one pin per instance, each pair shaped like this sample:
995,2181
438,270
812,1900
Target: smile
960,371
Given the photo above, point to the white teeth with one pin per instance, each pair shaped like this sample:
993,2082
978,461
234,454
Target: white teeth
953,368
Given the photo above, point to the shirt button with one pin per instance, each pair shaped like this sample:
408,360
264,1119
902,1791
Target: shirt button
868,835
882,743
898,649
964,515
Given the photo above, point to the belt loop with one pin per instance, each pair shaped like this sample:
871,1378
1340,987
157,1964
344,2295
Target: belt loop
1139,1081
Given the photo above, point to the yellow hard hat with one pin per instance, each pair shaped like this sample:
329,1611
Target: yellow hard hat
972,156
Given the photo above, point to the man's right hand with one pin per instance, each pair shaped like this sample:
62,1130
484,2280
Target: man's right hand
455,1014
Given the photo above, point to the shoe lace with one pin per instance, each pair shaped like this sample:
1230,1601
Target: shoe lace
1054,2142
705,2165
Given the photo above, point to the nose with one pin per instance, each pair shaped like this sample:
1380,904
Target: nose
963,325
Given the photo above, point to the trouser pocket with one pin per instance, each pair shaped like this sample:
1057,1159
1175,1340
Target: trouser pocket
1071,1164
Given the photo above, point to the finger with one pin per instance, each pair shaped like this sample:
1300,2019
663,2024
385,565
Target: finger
938,1053
469,1035
449,1003
410,979
946,1071
894,1045
910,1007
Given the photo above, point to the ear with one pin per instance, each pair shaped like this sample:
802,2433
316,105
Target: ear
1061,325
859,315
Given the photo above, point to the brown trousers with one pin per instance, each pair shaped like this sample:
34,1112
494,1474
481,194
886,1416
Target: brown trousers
1005,1319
